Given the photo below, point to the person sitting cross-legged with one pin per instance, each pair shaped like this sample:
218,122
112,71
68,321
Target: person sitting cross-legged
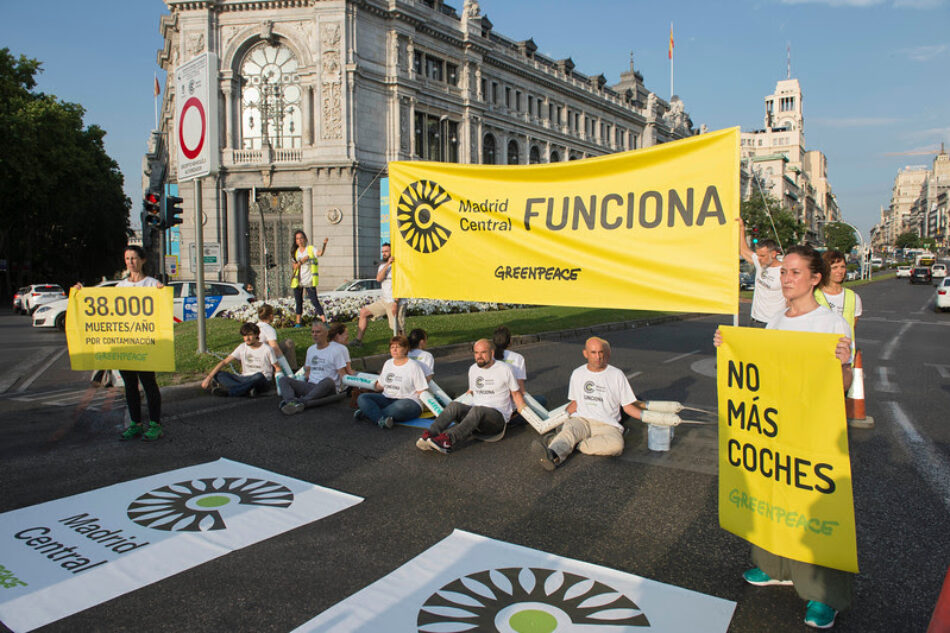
258,365
401,381
323,373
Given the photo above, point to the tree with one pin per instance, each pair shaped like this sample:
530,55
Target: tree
907,240
756,213
840,237
63,214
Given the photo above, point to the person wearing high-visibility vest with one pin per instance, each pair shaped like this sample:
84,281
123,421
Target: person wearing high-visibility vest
306,274
842,301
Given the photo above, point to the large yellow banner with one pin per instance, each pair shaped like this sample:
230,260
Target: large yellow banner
121,328
784,470
648,229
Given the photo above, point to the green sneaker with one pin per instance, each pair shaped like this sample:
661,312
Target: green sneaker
759,578
133,431
819,615
153,432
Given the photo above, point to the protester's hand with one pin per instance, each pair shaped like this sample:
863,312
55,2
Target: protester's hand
77,285
843,350
160,285
206,383
717,338
325,240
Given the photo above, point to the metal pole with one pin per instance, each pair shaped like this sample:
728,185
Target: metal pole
200,266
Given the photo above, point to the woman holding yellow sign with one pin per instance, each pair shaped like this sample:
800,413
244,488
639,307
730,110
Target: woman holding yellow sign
827,590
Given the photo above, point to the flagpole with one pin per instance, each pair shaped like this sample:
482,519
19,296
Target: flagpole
671,60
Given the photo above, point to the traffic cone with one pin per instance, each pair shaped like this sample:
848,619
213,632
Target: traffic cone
940,621
854,401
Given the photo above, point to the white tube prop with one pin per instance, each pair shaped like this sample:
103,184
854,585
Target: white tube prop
285,366
553,413
545,425
465,398
664,406
440,395
361,380
430,401
659,418
535,406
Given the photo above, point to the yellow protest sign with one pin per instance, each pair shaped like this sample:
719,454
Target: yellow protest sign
784,470
650,229
121,328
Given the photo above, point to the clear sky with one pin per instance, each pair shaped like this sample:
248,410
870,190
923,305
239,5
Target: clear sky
875,73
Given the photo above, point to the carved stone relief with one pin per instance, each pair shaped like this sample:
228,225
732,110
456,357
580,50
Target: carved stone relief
194,44
331,82
404,134
229,32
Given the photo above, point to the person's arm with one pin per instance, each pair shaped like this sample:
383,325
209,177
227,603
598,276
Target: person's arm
633,411
381,274
843,354
207,381
521,384
571,407
519,400
744,251
274,346
323,249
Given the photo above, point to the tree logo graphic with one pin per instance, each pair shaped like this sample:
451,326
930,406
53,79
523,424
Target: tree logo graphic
528,600
415,216
194,506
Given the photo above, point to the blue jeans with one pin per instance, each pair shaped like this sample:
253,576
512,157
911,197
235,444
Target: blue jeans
240,385
376,406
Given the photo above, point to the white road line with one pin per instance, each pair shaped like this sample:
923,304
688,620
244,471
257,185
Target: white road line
929,463
39,372
39,354
927,305
892,344
676,358
633,375
884,382
943,370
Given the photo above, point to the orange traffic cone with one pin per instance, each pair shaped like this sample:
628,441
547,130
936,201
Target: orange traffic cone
854,401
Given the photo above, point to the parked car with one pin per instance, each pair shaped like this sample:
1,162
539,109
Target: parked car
920,275
903,272
369,288
746,281
18,297
938,271
39,294
942,298
851,275
54,314
220,296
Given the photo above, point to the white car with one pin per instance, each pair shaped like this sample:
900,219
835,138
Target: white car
938,271
903,272
54,314
361,288
40,294
942,297
220,296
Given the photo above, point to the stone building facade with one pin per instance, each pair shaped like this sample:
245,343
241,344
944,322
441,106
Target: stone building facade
920,204
317,96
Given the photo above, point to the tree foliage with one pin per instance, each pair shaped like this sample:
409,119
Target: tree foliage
63,214
840,237
755,214
907,240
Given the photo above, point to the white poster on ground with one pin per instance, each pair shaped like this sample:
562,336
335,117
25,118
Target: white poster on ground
471,583
63,556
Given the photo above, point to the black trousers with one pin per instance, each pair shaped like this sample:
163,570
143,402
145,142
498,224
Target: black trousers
134,401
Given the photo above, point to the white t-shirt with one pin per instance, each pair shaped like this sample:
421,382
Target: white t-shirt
146,282
253,360
268,333
327,363
600,394
517,364
767,301
492,387
403,381
425,359
305,274
836,303
387,283
821,319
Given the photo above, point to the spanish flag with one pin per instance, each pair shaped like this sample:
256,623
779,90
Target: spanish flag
671,41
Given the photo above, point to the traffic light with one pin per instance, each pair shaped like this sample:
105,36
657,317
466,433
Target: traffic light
755,235
172,211
152,211
269,260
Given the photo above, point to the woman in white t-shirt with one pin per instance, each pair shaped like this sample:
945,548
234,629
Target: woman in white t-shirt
418,340
306,274
502,339
265,316
339,336
401,381
827,590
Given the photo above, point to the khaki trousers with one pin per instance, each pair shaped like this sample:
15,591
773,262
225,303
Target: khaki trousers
589,436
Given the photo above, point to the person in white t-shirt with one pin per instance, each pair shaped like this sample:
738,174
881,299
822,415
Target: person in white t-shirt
324,369
502,339
418,340
833,295
401,381
597,392
767,300
386,306
827,591
265,316
258,365
493,387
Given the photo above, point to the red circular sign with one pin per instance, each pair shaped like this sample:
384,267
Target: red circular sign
190,153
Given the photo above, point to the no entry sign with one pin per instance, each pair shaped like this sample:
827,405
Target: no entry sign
196,117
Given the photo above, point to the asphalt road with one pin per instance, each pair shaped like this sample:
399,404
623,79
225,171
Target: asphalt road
651,514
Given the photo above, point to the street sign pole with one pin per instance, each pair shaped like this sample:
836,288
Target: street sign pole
200,268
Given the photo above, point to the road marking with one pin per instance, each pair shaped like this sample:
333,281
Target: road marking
633,375
70,397
892,344
705,367
220,407
929,463
37,355
913,321
676,358
39,372
943,370
926,305
884,381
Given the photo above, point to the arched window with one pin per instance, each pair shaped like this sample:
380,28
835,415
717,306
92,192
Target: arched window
555,157
534,156
270,97
513,152
488,150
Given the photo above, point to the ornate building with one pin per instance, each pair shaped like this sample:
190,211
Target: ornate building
317,96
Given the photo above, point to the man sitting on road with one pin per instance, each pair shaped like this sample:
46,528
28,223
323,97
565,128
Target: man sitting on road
258,365
767,300
597,392
493,387
323,374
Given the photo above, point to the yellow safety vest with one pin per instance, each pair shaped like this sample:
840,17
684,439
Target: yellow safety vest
849,305
314,268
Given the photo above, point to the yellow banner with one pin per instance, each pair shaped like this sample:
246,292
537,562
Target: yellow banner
121,328
647,229
784,470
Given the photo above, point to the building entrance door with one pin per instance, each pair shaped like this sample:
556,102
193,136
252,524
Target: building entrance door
273,216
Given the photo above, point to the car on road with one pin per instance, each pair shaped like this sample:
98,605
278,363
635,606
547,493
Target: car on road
54,314
920,275
938,271
942,296
903,272
220,296
746,281
18,297
40,294
355,288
